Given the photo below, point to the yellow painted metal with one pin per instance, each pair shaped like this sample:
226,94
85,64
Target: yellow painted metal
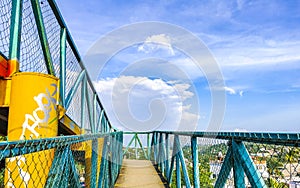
3,66
13,67
88,160
5,87
88,163
32,115
70,126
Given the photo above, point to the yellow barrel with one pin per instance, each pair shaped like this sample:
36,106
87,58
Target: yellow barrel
32,115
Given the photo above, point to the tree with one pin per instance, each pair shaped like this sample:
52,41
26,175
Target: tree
291,156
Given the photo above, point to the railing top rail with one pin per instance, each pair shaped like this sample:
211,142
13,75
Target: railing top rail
140,132
292,139
289,139
21,147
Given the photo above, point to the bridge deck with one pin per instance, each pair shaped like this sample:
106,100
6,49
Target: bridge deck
138,173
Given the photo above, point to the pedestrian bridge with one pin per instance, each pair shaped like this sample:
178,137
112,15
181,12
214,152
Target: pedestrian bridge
55,131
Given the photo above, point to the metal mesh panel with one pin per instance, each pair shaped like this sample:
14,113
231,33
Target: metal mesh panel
90,94
72,69
211,153
98,111
211,157
87,124
74,110
279,166
31,55
53,34
72,161
5,13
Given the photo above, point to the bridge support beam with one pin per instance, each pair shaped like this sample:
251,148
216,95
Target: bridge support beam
238,159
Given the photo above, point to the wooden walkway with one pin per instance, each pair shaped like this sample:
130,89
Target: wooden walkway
138,173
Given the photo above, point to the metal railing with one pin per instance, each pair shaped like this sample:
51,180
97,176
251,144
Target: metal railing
34,33
90,160
225,159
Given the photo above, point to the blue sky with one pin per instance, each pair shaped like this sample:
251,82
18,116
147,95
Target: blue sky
255,43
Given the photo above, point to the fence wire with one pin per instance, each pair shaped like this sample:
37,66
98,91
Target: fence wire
53,33
5,14
32,57
271,163
279,165
31,54
71,161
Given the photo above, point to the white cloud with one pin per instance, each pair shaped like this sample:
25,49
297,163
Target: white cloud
240,130
140,103
243,51
231,91
155,43
241,93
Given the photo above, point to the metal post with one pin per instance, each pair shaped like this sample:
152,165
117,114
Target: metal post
135,145
15,29
183,165
83,88
141,146
167,155
225,169
178,175
155,146
42,35
148,146
81,78
239,179
161,153
194,148
94,163
94,112
248,165
99,122
63,36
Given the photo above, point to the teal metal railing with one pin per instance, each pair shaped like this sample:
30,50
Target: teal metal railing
34,33
68,165
225,159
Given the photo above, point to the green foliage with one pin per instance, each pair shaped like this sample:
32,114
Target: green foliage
130,154
204,169
275,184
274,166
2,171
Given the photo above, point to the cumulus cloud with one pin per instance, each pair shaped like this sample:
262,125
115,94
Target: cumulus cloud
157,42
142,104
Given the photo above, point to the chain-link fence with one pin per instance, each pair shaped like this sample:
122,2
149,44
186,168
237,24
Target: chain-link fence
227,159
70,161
38,54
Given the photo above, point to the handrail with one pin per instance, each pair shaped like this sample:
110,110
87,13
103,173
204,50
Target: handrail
62,23
291,139
261,157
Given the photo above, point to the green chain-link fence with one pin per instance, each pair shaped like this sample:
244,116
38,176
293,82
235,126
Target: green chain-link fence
69,161
222,159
